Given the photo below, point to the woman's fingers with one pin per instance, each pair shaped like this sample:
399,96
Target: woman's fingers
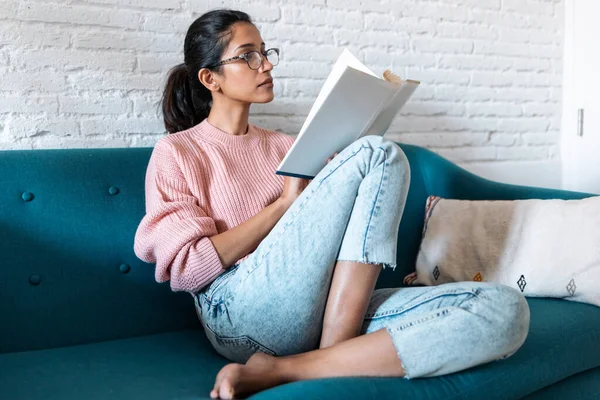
331,158
410,278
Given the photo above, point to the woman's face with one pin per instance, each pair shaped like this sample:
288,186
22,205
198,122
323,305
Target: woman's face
237,81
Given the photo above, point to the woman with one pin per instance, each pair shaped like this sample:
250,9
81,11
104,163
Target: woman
283,270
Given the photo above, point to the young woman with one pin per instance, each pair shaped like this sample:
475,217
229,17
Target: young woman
283,270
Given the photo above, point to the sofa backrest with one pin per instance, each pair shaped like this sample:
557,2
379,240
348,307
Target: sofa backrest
68,273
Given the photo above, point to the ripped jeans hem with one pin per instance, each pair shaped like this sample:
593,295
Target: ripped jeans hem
401,358
383,265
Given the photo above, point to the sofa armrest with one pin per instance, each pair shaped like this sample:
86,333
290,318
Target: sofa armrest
446,179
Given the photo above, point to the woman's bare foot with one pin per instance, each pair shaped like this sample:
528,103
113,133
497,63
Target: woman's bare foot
372,354
238,380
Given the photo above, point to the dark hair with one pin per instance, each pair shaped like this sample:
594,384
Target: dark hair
185,101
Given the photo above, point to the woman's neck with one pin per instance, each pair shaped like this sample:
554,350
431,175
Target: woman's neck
231,117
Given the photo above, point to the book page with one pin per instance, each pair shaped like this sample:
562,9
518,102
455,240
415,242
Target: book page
351,105
346,59
353,102
355,63
385,118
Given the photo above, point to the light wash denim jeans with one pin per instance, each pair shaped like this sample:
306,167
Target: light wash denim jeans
274,301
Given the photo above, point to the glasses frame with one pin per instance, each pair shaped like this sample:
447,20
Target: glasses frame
246,57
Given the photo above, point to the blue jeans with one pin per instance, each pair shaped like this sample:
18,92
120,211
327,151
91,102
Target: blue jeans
274,301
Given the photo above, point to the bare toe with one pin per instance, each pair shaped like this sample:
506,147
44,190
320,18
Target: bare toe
235,380
226,389
223,386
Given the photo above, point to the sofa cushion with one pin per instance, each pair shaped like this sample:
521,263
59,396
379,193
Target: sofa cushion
67,223
174,365
182,365
544,248
582,386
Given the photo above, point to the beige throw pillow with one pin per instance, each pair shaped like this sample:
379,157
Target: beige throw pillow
543,248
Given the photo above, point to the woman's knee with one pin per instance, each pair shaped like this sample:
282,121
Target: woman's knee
376,141
509,311
397,161
394,155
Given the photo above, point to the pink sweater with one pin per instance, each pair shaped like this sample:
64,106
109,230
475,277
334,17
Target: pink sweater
201,182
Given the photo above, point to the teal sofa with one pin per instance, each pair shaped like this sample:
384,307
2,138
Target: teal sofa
83,318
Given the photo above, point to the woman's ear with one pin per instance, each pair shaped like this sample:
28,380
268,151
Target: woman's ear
207,78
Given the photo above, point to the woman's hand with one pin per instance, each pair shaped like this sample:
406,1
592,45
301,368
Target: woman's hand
293,187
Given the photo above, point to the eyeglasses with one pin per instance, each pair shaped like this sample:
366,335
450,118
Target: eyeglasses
254,58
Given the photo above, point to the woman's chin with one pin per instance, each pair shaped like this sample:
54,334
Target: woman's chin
266,98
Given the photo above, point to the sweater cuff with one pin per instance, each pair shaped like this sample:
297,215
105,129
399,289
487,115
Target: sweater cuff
205,263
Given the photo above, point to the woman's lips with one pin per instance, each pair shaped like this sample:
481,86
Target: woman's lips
268,83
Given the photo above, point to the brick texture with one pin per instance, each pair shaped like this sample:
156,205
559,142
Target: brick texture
89,73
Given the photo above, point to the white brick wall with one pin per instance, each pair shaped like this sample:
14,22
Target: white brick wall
89,73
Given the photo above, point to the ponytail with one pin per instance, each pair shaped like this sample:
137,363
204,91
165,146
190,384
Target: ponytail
186,101
183,107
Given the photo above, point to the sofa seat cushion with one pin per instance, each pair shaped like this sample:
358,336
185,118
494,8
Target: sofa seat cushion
582,386
563,341
174,365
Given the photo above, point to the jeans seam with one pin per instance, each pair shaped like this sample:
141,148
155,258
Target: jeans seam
298,211
473,294
342,163
233,340
374,204
439,313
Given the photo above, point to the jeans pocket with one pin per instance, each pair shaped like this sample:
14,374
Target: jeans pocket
212,293
235,348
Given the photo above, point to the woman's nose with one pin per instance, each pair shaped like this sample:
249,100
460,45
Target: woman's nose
266,65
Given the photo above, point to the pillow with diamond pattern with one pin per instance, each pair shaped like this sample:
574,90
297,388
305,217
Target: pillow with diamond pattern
543,248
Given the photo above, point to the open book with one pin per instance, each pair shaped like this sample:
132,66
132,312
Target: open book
352,103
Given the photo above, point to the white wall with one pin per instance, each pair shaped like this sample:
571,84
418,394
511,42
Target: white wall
581,84
76,73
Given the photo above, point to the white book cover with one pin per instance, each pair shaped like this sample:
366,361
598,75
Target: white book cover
352,103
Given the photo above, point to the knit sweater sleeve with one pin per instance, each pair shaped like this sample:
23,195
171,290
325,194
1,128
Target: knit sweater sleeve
174,232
